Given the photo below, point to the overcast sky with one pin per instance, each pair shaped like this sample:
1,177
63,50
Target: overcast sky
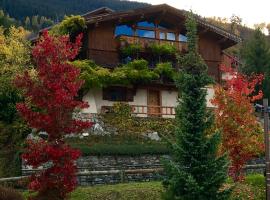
251,11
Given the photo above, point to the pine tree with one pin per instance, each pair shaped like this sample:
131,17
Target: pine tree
255,55
27,23
194,170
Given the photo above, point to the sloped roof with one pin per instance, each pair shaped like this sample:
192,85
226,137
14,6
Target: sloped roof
99,11
163,8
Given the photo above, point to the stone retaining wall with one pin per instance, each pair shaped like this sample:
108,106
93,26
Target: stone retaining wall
113,169
94,170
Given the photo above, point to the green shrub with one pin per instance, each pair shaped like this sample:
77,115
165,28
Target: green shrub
134,127
162,49
71,25
123,149
122,110
131,50
255,180
97,76
9,194
12,137
165,69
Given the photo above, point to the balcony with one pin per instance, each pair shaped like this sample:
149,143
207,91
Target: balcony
146,110
145,42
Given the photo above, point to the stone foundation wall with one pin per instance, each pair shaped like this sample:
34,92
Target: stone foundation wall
95,170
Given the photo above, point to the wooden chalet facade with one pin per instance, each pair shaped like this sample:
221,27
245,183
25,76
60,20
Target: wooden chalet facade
107,31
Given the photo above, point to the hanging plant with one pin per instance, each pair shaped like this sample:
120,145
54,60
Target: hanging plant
132,50
162,50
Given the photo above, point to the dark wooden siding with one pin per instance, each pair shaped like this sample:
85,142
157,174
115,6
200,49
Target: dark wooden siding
102,45
102,48
210,50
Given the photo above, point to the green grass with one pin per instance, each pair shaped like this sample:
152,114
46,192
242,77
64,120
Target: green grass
251,189
131,191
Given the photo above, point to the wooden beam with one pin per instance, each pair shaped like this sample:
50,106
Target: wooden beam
222,40
205,30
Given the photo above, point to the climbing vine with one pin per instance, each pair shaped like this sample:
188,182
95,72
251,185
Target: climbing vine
135,71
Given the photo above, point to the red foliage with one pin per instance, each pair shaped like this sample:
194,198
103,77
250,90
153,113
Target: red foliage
242,136
60,176
49,107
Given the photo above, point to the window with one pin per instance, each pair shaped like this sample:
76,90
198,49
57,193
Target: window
182,38
146,24
170,36
117,93
145,33
162,36
123,30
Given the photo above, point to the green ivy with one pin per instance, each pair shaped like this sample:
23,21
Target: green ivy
71,25
162,50
135,71
131,50
165,69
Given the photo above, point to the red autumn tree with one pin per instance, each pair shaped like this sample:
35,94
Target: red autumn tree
49,106
242,136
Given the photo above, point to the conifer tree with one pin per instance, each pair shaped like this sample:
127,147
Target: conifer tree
255,55
194,171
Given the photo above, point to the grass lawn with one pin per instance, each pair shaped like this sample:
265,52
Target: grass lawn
251,189
129,191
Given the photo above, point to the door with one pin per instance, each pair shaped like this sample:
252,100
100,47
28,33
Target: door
153,103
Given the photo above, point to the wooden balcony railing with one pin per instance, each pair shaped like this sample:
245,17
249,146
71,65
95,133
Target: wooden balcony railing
157,111
153,110
144,42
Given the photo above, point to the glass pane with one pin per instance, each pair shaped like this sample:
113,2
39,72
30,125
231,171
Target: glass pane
162,36
182,38
123,30
146,24
170,36
118,94
145,33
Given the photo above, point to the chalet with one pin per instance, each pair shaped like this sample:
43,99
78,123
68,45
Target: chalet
107,31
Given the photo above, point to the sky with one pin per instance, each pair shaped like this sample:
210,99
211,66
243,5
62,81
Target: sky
251,12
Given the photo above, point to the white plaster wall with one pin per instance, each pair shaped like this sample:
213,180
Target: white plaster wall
169,98
210,96
90,99
95,99
140,99
226,76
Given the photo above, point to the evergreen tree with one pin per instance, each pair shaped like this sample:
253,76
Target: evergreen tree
35,23
255,55
194,170
27,23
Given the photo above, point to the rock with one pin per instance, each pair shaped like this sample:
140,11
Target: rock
98,128
43,135
85,134
153,136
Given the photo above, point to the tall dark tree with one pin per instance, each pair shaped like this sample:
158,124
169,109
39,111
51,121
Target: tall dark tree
194,170
255,55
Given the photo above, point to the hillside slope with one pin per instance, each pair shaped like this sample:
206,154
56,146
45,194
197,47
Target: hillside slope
56,9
